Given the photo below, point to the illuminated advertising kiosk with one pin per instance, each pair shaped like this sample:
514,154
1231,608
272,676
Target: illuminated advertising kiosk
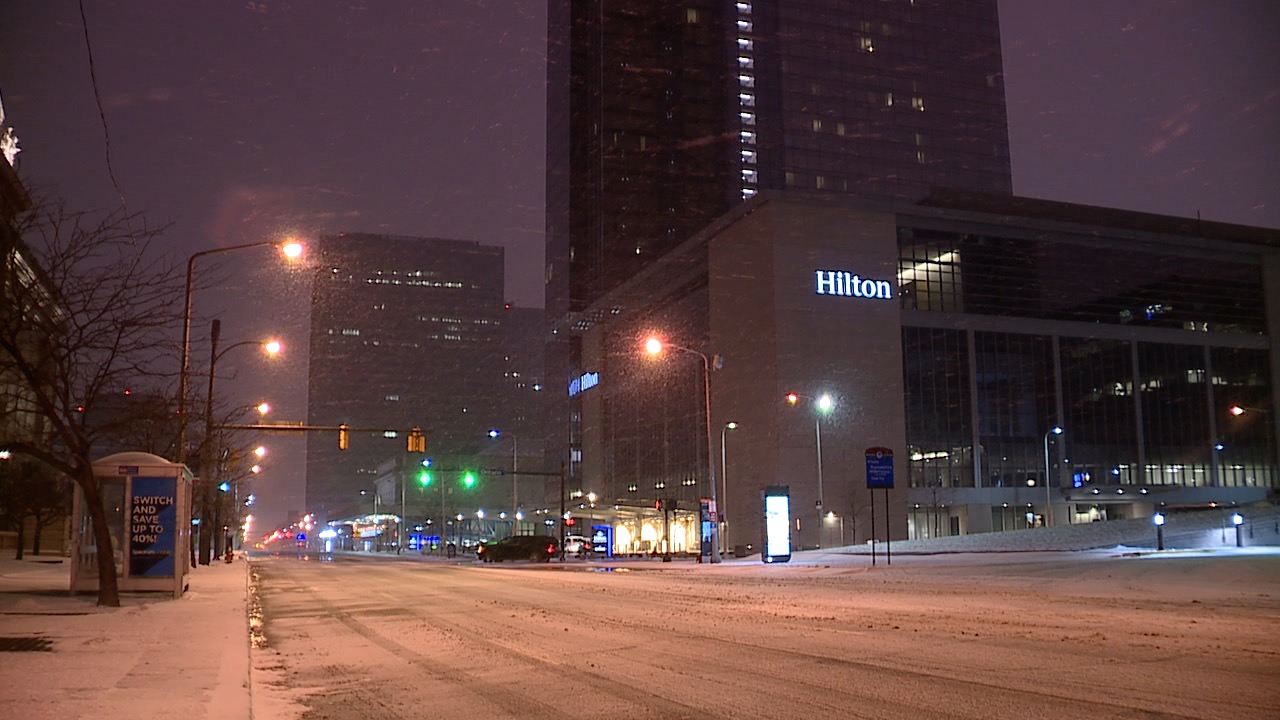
148,505
777,524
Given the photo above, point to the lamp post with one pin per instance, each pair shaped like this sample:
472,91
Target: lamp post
515,476
655,346
1158,520
823,403
206,456
1269,461
291,250
1048,512
724,479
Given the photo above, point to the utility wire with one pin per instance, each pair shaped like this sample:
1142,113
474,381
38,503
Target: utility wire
102,115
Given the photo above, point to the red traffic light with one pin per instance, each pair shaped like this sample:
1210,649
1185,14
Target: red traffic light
792,398
569,522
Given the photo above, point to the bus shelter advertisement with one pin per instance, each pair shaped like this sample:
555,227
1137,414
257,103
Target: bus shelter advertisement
152,535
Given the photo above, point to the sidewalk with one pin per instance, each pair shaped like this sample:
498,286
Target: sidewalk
153,656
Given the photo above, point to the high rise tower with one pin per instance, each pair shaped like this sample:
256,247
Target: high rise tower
664,115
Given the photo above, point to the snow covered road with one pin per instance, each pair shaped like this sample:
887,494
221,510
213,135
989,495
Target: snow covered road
1044,635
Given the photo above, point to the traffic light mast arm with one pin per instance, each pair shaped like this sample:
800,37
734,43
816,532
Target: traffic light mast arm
416,439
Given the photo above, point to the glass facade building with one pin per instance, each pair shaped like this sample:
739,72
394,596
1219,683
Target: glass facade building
1034,363
663,116
405,332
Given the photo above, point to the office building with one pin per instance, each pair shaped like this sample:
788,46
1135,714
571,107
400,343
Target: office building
1026,362
663,116
409,332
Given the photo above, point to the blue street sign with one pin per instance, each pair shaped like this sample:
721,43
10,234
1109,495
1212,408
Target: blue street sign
879,468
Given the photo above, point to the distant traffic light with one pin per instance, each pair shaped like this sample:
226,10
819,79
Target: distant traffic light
417,442
424,478
792,398
468,479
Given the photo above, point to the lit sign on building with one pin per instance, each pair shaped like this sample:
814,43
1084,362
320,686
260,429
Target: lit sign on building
838,282
583,382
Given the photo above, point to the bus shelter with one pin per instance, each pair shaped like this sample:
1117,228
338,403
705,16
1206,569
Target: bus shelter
148,505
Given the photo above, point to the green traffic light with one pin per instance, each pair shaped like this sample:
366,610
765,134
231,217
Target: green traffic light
469,479
424,478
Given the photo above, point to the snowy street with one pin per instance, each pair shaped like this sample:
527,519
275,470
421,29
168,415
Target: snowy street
1104,633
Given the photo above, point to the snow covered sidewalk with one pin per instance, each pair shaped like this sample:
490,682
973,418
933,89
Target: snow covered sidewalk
152,657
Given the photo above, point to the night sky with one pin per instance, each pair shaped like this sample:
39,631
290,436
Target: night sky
246,121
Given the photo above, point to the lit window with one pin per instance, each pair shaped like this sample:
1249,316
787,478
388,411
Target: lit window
821,183
746,81
747,99
744,44
840,128
745,62
393,398
747,118
817,124
743,7
744,26
691,16
748,156
866,45
917,103
790,178
888,99
350,331
920,156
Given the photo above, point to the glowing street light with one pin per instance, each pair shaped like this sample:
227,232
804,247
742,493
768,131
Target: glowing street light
823,404
515,474
291,249
263,408
724,479
260,451
654,346
1048,499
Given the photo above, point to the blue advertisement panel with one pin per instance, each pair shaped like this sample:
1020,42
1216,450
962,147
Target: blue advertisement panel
777,525
879,468
153,536
602,540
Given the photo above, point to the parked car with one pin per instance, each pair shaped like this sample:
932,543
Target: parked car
576,545
538,548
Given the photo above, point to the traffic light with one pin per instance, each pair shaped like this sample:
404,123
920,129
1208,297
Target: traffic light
468,479
344,439
569,522
417,442
792,398
424,478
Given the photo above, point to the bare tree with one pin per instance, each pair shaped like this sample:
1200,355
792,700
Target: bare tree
89,307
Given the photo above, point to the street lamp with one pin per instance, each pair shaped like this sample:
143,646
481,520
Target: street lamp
291,250
724,479
654,346
823,403
206,457
1048,513
515,475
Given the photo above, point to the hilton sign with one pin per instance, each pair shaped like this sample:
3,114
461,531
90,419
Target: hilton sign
838,282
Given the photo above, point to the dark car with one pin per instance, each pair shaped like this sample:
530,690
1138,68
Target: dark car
539,548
